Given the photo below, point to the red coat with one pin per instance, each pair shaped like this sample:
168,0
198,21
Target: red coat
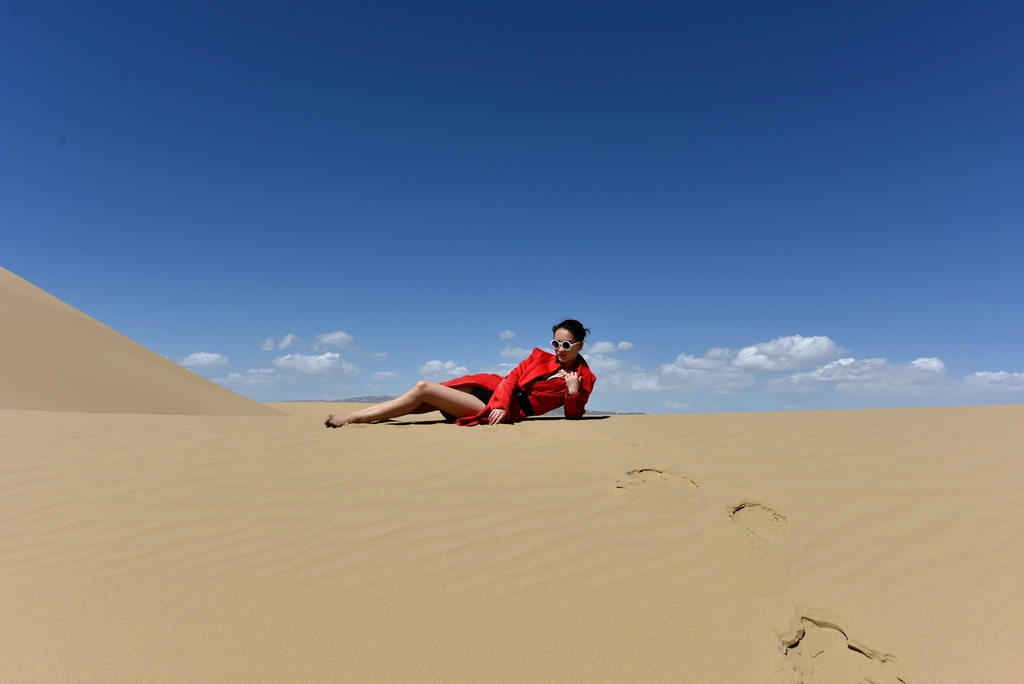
543,396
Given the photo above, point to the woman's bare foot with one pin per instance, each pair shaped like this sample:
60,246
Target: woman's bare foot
333,421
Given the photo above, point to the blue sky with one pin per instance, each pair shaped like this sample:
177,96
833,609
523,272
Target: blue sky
753,206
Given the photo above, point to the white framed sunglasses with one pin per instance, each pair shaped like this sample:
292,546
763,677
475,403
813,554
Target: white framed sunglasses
564,345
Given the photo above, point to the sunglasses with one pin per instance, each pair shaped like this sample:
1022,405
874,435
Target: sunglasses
564,345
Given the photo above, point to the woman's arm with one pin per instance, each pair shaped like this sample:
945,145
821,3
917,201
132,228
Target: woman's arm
582,382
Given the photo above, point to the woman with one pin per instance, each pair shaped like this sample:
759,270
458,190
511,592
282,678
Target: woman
542,382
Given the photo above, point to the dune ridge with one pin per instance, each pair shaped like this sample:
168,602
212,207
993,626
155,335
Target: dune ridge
56,358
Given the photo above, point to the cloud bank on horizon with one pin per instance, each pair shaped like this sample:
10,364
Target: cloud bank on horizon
772,375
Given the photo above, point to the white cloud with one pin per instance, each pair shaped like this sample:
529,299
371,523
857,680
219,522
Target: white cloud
322,365
384,375
254,377
506,335
719,380
268,344
442,370
205,360
714,358
517,353
288,340
614,376
339,339
608,347
929,364
869,377
378,356
709,373
787,353
999,382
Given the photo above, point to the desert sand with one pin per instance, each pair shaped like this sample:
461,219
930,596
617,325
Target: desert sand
207,543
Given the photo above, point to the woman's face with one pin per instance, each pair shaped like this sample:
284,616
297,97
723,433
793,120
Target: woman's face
567,357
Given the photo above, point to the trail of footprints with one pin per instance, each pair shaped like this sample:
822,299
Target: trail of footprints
816,649
758,519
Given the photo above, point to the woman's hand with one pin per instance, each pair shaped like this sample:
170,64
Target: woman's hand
496,416
572,383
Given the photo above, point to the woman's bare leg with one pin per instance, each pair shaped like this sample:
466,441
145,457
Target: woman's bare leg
422,398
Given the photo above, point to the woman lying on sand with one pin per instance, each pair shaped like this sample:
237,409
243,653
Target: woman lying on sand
542,382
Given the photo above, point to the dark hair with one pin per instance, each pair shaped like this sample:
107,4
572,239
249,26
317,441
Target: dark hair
573,326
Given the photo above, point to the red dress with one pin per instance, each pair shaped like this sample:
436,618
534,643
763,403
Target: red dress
531,379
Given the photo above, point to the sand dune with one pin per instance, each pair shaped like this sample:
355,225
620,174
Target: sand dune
55,358
145,542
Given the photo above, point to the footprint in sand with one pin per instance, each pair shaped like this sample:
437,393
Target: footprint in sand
819,652
750,548
661,489
761,520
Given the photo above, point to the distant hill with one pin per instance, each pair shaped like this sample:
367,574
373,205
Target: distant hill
374,399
